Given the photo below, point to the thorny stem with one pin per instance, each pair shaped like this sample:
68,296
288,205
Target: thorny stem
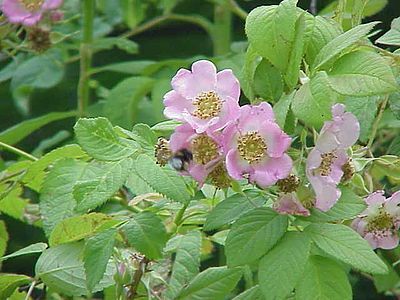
18,151
377,120
85,56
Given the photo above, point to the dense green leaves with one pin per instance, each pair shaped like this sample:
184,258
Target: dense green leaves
316,284
362,73
186,264
163,180
98,250
346,245
231,208
253,235
282,267
61,269
9,283
211,284
146,233
99,139
251,294
268,82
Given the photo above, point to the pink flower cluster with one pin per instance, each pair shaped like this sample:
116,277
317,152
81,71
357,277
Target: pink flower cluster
244,142
27,12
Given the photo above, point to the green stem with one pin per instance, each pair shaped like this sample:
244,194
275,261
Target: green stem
340,10
383,51
179,216
18,151
86,56
222,27
236,9
248,277
377,120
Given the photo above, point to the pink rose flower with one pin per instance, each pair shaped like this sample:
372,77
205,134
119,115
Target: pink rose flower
379,223
325,161
289,203
207,100
27,12
204,147
255,146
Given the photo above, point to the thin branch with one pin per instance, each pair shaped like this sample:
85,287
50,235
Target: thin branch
236,9
377,120
18,151
30,291
383,51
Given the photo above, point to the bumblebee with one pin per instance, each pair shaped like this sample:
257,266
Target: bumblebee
180,159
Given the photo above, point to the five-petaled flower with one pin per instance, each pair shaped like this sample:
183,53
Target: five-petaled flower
27,12
325,163
203,98
379,222
255,146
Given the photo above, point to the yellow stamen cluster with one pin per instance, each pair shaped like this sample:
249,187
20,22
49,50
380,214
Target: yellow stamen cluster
380,222
251,146
204,149
348,171
288,184
326,164
219,177
31,5
208,104
162,152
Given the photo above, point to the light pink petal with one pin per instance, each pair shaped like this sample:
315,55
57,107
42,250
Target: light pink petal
389,242
277,141
14,11
198,172
229,137
359,225
251,116
290,204
391,204
370,238
375,198
338,110
349,130
313,160
181,138
327,140
326,194
52,4
175,104
269,170
203,78
236,166
230,112
336,169
228,85
198,124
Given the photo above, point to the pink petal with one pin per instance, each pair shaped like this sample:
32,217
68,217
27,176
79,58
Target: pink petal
203,78
349,130
359,225
327,140
337,172
338,110
290,204
230,112
313,161
277,141
389,242
228,85
370,238
181,138
269,170
14,11
375,198
229,137
326,194
391,204
198,172
235,165
51,4
175,104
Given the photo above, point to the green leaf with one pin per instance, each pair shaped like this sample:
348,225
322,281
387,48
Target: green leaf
35,173
165,127
316,283
348,206
108,43
313,101
78,227
3,239
13,204
282,108
10,282
128,67
145,137
17,132
346,245
61,269
392,37
251,294
56,199
105,180
126,94
265,28
252,60
98,250
268,82
283,266
296,53
165,181
146,233
31,249
186,264
362,73
340,43
394,101
232,208
322,33
211,284
365,109
99,139
253,235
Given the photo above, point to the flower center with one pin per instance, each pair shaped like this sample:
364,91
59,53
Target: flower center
204,149
326,164
251,146
208,105
348,171
32,5
288,184
162,152
219,177
381,221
